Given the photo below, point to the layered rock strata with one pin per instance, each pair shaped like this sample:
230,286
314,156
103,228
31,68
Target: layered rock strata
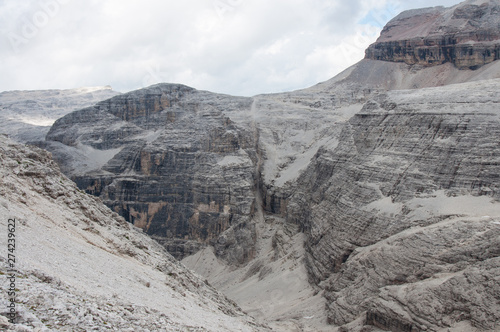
168,160
78,266
396,192
406,204
466,35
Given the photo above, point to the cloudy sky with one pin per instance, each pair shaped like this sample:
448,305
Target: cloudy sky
239,47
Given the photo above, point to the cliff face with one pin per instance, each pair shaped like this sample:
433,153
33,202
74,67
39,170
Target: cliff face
467,35
395,193
170,162
81,267
407,204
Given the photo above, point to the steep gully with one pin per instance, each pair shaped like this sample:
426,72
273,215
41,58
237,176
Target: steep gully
273,285
258,166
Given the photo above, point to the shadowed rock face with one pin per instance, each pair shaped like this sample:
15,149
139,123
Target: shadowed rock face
172,164
399,205
467,35
99,271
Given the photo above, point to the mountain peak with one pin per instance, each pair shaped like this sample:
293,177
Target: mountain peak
466,35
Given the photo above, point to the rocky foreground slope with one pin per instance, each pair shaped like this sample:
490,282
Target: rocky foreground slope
370,206
81,267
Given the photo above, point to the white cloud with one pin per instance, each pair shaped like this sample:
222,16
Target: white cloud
229,46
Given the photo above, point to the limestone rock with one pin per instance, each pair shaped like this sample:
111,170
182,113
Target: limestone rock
168,160
407,204
26,116
80,267
466,35
394,193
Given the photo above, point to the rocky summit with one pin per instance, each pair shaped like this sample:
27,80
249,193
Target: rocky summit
369,202
467,35
171,162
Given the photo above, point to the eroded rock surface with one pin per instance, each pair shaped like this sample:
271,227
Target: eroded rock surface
395,192
168,160
407,204
80,266
467,35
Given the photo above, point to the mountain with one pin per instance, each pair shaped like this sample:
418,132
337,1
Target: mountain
168,160
368,202
432,47
27,115
465,35
402,216
81,267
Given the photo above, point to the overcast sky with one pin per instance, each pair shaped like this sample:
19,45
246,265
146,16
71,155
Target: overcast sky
239,47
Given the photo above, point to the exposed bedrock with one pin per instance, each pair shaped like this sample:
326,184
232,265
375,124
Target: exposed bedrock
466,35
397,192
406,197
170,163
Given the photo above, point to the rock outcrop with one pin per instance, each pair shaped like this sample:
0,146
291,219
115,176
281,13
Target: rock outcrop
80,267
467,35
168,160
407,208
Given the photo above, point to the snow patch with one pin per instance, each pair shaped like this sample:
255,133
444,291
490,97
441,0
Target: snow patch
232,161
385,205
439,203
96,159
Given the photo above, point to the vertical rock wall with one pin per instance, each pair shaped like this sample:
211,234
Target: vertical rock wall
178,168
466,35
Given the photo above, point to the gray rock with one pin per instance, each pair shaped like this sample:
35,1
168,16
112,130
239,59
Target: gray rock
81,267
170,162
409,169
466,35
26,116
396,191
